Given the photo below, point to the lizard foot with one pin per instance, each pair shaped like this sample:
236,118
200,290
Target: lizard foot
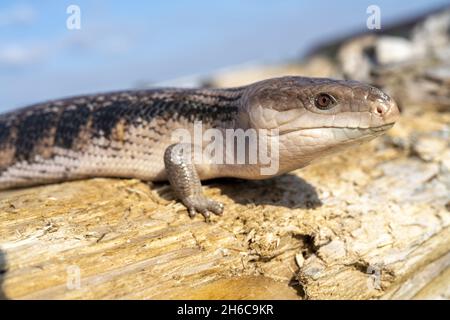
203,205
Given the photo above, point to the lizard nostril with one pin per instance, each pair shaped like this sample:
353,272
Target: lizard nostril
380,109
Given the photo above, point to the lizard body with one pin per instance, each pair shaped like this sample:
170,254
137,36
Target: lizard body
129,134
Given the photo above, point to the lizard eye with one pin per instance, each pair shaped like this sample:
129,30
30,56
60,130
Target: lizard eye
324,101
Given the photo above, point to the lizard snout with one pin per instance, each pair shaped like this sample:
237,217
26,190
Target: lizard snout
386,109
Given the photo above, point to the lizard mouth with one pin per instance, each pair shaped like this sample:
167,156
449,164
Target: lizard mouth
364,131
383,127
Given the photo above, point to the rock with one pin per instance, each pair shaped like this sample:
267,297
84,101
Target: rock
391,50
439,74
433,33
430,148
354,59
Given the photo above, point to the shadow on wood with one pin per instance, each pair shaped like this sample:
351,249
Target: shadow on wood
288,190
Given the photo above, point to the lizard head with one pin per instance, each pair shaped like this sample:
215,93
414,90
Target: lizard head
317,116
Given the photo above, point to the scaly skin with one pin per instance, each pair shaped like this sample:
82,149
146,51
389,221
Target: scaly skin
129,134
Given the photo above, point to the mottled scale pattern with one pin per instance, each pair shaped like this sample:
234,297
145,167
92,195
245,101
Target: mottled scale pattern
120,134
125,134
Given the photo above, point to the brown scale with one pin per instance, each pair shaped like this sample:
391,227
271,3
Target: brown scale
127,134
71,123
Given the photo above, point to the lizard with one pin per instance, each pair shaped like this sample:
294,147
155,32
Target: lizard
127,134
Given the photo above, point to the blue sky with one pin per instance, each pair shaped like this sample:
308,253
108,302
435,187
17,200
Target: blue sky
123,43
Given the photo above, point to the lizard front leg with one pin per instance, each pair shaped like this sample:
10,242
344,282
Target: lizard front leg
183,176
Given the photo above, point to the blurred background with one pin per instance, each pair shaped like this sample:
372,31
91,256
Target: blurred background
383,228
131,44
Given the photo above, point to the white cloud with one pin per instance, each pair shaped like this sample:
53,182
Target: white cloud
96,40
18,14
101,39
14,55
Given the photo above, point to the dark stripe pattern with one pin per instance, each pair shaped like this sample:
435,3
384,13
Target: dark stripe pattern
98,115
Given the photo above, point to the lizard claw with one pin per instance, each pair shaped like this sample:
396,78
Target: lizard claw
203,205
